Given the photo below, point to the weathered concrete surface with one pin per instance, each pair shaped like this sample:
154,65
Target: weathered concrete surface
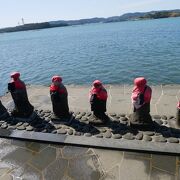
164,98
21,160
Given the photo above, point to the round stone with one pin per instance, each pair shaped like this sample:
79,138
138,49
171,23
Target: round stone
11,127
112,114
147,138
70,131
117,136
4,125
99,136
54,131
173,140
77,133
26,124
61,131
158,121
124,119
19,124
78,116
128,136
83,114
21,127
164,117
107,134
29,128
139,136
160,139
84,118
1,122
115,120
88,134
149,133
156,116
171,117
103,130
88,114
122,115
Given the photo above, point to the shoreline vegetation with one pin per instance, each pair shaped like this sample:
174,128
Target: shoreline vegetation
125,17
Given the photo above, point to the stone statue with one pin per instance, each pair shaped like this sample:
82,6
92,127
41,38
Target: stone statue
98,97
59,98
3,112
141,97
17,88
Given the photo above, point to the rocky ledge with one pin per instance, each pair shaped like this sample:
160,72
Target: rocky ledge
164,128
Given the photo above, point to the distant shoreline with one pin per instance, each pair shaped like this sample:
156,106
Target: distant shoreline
125,17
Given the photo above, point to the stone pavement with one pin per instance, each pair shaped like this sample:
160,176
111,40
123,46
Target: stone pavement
164,98
21,160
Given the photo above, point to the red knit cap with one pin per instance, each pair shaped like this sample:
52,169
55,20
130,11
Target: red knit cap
97,82
15,75
56,79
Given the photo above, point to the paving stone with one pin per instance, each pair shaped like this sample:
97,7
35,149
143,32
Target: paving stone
62,131
26,172
159,139
56,170
21,127
70,152
44,158
37,147
139,136
85,168
149,133
173,140
128,136
7,177
18,157
133,168
147,138
29,128
157,174
107,134
166,163
70,131
117,136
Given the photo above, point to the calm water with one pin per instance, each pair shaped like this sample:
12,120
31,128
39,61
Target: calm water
114,53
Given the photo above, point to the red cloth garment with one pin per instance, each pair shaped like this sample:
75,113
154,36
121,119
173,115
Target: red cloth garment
139,87
178,105
99,90
58,89
56,79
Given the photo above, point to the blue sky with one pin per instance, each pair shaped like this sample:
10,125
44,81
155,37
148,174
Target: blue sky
11,11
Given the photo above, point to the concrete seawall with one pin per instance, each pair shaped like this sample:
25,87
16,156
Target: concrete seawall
164,98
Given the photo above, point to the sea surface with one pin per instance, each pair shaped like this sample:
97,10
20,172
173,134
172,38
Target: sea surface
115,53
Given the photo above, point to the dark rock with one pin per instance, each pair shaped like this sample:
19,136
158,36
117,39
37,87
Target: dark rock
139,136
149,133
29,128
99,136
107,134
70,131
88,134
128,136
164,117
147,138
21,127
173,140
124,119
159,139
62,131
117,136
156,117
